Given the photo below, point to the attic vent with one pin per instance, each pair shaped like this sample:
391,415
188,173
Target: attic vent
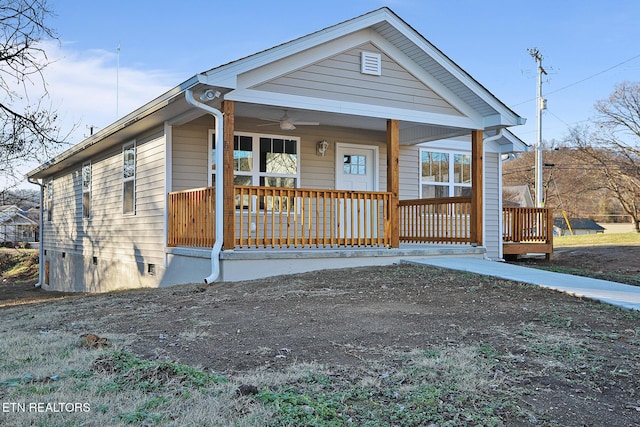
371,63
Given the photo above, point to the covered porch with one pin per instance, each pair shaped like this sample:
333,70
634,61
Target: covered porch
270,217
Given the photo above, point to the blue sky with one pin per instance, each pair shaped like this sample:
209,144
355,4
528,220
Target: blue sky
162,43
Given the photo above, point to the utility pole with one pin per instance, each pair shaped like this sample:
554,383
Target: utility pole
541,104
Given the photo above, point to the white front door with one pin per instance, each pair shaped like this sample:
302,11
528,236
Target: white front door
356,167
357,170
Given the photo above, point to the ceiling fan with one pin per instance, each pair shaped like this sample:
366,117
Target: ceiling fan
287,123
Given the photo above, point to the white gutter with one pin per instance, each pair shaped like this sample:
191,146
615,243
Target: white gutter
40,234
219,122
494,137
500,224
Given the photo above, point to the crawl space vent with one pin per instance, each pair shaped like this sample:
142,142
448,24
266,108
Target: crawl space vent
371,63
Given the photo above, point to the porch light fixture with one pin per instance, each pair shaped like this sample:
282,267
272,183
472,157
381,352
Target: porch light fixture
322,147
209,95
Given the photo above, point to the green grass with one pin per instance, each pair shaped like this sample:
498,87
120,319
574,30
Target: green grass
602,239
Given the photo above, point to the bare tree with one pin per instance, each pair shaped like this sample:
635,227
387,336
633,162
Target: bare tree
28,128
569,185
613,150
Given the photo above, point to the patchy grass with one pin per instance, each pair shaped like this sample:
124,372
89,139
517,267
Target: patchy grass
445,386
19,265
601,239
400,345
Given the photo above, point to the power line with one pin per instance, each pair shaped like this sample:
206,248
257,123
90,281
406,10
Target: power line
594,75
581,81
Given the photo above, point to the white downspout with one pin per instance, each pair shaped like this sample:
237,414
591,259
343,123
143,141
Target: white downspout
219,122
490,139
40,234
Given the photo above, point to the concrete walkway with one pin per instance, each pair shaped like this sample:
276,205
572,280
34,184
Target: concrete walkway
626,296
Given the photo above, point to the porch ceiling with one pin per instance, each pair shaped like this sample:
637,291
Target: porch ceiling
410,132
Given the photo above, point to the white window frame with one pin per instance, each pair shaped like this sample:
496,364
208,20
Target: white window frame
450,184
125,180
85,190
49,199
255,173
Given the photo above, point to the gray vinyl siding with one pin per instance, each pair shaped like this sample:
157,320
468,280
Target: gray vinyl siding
339,78
409,172
318,172
190,148
114,239
492,206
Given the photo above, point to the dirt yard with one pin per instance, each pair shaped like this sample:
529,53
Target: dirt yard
563,360
616,263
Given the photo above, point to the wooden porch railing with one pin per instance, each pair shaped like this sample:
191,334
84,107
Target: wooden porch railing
297,217
527,230
283,217
192,218
437,220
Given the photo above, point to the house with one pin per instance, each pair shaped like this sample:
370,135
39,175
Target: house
578,226
517,195
17,226
359,144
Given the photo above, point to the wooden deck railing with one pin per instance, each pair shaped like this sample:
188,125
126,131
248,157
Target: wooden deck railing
287,217
297,217
527,230
283,217
527,224
437,220
192,218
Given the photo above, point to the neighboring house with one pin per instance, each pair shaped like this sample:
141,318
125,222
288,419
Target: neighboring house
359,144
517,195
16,225
578,226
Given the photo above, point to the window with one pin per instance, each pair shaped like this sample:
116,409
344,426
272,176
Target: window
445,174
278,162
49,199
86,190
262,160
129,179
355,164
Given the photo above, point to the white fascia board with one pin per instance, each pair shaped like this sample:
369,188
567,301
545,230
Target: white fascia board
302,59
508,143
448,144
454,69
512,144
226,75
498,120
342,107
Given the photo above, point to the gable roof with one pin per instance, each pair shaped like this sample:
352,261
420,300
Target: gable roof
391,34
240,81
12,214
